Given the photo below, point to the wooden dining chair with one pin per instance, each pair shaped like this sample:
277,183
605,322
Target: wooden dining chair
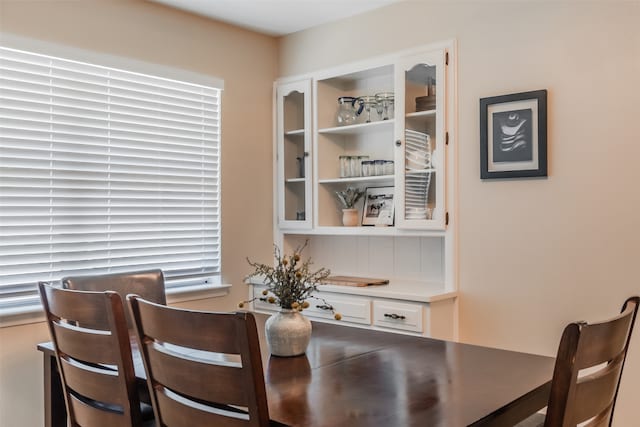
93,351
203,368
587,372
149,284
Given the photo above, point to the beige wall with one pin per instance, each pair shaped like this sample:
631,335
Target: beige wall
147,32
533,254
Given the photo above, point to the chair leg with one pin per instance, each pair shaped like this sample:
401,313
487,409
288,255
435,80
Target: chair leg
55,412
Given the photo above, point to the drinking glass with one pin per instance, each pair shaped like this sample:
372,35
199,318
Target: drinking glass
345,166
384,106
367,168
379,167
368,102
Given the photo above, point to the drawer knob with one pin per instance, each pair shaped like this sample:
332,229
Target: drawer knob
394,316
324,307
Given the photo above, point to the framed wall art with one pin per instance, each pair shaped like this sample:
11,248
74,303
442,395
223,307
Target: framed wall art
378,206
513,135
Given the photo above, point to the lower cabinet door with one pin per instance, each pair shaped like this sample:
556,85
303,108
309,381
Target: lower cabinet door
398,315
352,309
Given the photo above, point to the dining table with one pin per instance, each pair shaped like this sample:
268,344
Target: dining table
356,377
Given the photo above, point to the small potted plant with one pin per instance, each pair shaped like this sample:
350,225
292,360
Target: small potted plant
348,198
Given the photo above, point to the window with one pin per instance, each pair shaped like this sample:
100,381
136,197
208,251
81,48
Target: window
104,170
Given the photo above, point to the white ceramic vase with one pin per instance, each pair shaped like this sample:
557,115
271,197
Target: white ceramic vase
350,217
288,333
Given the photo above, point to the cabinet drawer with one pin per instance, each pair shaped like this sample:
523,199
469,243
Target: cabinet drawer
396,315
354,310
259,304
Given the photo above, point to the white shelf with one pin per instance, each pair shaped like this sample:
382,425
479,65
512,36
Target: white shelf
349,74
359,127
397,289
417,114
295,132
408,290
359,179
290,180
366,231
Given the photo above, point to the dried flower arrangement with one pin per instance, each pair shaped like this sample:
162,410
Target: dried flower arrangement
291,282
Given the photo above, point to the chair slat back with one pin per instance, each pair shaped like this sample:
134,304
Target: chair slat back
177,414
175,327
199,363
95,362
86,309
600,348
149,284
88,415
602,342
86,344
184,374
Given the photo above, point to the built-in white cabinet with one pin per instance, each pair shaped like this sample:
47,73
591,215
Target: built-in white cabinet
430,316
389,123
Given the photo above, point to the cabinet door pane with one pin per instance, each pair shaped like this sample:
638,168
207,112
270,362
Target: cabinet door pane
293,145
420,133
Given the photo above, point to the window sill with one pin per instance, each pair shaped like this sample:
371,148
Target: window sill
196,292
33,313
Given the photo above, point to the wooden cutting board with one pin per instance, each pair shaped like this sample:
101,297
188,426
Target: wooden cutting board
354,281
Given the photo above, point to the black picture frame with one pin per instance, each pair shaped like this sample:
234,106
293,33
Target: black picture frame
379,206
513,135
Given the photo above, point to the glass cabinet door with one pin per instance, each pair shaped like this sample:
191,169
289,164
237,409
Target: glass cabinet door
420,135
293,139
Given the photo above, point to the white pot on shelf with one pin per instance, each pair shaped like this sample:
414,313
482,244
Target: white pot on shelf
350,217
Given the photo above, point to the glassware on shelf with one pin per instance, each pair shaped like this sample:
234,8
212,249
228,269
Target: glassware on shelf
367,168
385,104
379,167
354,166
345,166
351,166
360,160
347,110
388,167
368,102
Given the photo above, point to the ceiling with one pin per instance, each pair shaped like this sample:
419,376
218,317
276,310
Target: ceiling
276,17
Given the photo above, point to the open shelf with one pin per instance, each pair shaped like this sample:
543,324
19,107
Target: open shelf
426,113
359,127
366,231
358,180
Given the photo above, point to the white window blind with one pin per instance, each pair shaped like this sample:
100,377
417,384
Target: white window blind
104,170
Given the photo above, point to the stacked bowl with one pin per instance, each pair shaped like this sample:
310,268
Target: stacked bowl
417,174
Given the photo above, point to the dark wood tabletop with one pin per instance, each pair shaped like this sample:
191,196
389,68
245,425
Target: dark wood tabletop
357,377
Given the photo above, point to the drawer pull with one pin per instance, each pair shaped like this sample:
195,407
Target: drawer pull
263,299
324,307
395,316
